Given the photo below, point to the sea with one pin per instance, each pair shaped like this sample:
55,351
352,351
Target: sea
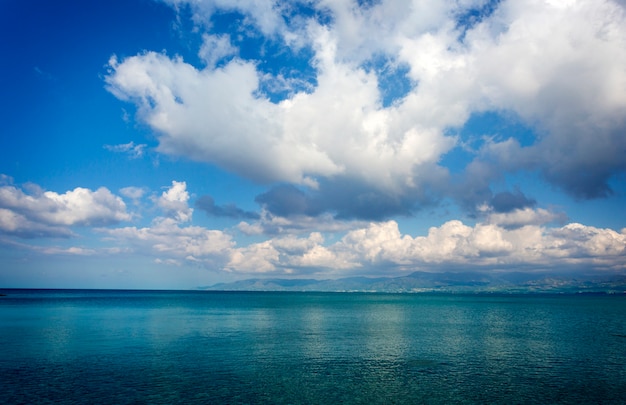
211,347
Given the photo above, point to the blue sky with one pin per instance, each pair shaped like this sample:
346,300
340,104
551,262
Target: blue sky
175,144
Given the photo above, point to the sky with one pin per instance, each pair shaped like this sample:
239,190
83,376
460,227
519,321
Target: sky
180,143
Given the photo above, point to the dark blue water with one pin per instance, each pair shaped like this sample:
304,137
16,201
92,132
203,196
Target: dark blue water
313,348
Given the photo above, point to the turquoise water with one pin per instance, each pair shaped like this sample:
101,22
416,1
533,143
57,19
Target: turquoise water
310,348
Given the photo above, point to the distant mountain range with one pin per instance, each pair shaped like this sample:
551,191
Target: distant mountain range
450,282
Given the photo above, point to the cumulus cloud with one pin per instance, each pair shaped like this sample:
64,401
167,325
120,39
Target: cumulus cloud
47,213
289,255
455,244
340,129
513,240
213,116
257,258
16,224
559,67
168,240
380,247
510,240
174,201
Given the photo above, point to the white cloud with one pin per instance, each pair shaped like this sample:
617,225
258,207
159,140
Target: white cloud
47,213
505,241
581,242
560,67
288,254
213,116
13,223
174,202
166,239
456,244
338,129
380,246
257,258
80,206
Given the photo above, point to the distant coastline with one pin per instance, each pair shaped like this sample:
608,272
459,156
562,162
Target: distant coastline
449,282
415,283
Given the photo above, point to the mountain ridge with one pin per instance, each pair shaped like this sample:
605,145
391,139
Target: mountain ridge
451,282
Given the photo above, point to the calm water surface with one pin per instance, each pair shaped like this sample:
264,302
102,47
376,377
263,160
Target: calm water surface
310,348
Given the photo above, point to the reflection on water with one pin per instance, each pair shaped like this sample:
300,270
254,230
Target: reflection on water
310,348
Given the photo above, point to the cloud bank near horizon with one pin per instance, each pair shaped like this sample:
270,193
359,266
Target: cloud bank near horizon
519,239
